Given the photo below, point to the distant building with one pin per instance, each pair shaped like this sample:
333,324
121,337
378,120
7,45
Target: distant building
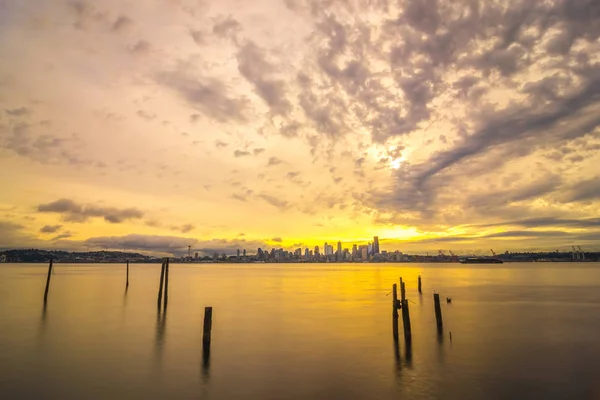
354,251
376,245
238,253
364,252
317,254
306,253
244,252
196,255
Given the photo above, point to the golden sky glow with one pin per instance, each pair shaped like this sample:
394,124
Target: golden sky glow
151,125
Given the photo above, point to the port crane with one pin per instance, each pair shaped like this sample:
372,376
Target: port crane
575,254
453,256
493,254
581,253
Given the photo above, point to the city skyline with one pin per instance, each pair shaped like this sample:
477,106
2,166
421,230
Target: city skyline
153,126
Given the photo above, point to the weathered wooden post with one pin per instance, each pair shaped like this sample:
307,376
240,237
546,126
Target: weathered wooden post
206,335
166,282
406,321
395,312
438,312
420,285
162,278
48,281
402,290
127,282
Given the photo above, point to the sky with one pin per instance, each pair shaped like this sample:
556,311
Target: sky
151,126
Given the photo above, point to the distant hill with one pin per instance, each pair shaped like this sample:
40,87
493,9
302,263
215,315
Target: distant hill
37,255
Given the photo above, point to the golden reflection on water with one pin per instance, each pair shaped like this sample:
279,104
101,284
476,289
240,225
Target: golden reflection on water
293,331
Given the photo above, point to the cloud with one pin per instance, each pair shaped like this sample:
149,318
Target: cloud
241,153
521,234
8,227
75,212
168,244
86,15
548,221
198,37
65,235
37,143
17,112
173,244
122,23
274,201
227,27
238,196
219,143
141,47
50,228
274,161
585,190
207,95
276,240
183,228
145,115
258,151
253,66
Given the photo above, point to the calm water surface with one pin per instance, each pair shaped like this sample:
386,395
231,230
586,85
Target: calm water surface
318,331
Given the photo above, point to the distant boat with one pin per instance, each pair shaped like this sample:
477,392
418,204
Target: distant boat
481,260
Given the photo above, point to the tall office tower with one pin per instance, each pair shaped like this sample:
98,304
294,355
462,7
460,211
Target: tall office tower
370,248
339,248
317,251
244,252
375,244
306,253
364,252
354,251
238,253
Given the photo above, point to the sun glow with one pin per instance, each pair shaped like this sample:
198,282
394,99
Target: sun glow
395,164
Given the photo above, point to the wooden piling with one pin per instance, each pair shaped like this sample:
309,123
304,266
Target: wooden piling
162,278
127,281
406,321
166,282
420,285
48,281
402,290
206,336
395,312
395,301
438,311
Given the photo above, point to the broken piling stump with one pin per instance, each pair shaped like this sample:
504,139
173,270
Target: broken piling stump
438,312
406,321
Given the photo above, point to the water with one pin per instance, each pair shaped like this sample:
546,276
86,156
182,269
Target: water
318,331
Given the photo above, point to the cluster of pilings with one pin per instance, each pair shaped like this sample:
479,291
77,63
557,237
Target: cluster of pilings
163,299
402,304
